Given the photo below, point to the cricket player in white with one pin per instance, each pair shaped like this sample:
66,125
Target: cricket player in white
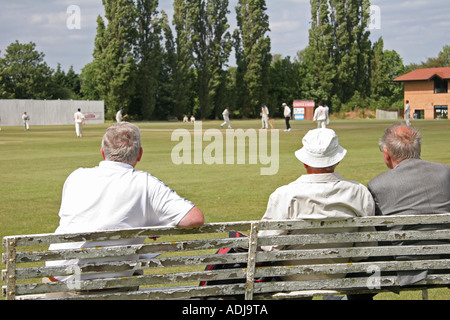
79,122
265,116
26,121
321,116
408,113
226,118
120,116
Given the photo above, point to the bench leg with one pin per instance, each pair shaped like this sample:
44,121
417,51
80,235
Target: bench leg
425,294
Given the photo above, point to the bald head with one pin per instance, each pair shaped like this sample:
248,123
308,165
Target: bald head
401,142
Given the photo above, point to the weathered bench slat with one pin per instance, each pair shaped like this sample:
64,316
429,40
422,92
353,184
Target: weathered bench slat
359,267
352,237
40,239
164,293
142,264
354,252
355,222
135,281
130,250
343,284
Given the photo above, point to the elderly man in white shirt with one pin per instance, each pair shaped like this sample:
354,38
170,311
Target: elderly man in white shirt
320,194
115,195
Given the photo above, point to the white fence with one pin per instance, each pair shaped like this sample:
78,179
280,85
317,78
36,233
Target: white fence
387,115
50,112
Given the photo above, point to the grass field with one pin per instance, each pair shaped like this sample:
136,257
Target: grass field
35,164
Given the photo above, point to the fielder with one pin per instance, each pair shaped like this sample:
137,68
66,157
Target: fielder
119,116
226,118
26,121
321,116
79,122
265,116
408,113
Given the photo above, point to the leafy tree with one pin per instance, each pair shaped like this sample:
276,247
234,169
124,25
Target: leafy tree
148,54
337,58
113,59
65,85
319,55
183,75
165,104
24,73
254,56
386,65
211,46
285,85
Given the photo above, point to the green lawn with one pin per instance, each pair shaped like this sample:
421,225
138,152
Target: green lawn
35,164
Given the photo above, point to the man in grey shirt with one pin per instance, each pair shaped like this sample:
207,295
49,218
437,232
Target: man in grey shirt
412,187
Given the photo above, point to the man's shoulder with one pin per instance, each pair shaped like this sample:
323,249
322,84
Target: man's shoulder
408,167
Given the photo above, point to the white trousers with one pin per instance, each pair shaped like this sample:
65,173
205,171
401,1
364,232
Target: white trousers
79,129
265,122
321,124
227,121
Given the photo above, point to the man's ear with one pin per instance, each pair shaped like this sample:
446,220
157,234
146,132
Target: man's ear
387,159
103,153
141,152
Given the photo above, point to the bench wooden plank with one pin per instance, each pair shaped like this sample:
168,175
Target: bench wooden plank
354,252
129,250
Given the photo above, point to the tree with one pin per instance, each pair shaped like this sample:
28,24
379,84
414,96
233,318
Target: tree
339,50
254,56
386,66
148,54
183,73
165,104
113,59
319,55
212,46
285,83
24,73
65,85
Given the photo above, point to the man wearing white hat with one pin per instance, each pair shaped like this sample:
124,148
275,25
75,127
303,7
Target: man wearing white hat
321,193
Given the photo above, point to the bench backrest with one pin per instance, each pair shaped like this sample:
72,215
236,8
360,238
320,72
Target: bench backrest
176,273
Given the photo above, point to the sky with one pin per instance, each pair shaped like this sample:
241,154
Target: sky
64,30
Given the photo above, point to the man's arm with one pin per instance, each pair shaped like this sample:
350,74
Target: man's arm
193,219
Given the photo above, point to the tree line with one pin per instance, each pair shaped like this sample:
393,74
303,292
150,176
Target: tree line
156,70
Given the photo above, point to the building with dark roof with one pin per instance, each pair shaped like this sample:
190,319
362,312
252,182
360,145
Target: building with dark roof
427,92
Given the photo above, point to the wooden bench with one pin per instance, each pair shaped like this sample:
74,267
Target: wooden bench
177,272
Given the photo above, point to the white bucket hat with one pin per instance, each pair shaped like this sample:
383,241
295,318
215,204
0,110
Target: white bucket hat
321,149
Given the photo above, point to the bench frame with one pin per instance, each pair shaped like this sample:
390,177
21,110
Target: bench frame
248,289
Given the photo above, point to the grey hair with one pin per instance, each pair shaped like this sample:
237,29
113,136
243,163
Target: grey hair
401,142
122,143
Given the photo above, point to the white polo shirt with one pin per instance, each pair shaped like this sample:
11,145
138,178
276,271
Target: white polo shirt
115,196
